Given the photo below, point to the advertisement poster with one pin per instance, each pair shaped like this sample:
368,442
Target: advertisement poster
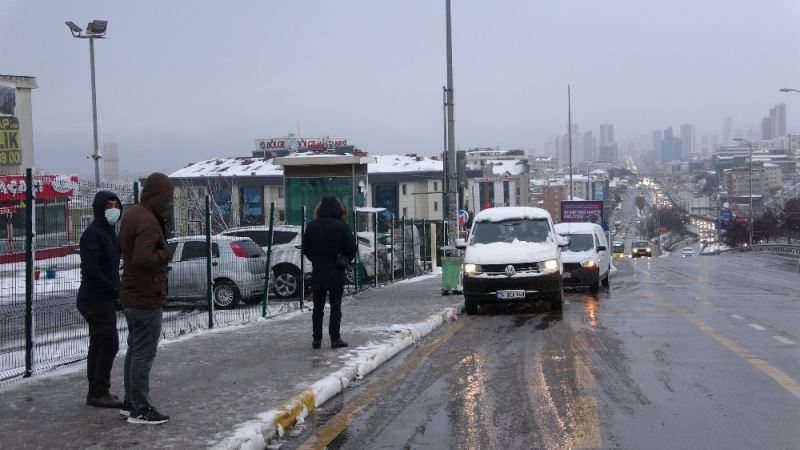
10,149
582,211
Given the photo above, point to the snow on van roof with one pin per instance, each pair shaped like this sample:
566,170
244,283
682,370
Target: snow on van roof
511,212
576,227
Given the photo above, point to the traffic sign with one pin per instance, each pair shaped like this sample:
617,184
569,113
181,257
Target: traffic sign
725,213
463,217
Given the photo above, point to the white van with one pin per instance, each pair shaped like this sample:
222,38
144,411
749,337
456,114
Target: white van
587,258
512,255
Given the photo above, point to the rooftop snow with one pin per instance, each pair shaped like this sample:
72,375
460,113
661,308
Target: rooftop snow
511,212
501,167
254,166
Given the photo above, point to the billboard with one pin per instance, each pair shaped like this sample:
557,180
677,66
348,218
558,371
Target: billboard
12,187
582,211
297,144
10,149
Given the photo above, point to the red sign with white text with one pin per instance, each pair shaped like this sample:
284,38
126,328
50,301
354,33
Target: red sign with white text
12,187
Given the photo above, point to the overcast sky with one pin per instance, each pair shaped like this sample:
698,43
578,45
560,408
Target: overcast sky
182,81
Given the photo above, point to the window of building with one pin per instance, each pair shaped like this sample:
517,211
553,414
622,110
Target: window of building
280,191
405,211
404,193
435,186
436,206
252,205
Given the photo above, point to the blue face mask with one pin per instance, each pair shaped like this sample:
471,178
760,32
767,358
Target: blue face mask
112,215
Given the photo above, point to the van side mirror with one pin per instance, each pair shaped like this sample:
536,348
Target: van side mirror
601,248
461,244
562,241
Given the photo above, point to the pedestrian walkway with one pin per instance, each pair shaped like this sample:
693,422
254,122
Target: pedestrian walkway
211,382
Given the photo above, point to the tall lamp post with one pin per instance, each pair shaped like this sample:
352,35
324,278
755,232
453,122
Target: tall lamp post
95,30
569,137
750,145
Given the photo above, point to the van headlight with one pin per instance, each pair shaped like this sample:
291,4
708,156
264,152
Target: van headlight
472,269
589,263
549,266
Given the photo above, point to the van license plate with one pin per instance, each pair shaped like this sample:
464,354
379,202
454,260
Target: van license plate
507,295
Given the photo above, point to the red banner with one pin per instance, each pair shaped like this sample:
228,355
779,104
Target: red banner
12,187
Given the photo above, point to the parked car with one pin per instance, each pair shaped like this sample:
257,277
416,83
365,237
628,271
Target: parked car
238,270
285,257
587,259
404,246
641,248
368,255
687,251
512,255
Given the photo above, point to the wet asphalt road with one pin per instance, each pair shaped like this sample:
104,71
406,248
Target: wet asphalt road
680,353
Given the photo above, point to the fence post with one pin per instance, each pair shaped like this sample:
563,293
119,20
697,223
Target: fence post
403,228
413,249
358,252
209,281
268,270
30,215
136,189
302,260
394,249
375,245
423,256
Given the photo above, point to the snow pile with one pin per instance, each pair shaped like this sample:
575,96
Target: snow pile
503,167
230,167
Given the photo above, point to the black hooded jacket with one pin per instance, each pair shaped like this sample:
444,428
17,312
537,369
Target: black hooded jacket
99,255
325,238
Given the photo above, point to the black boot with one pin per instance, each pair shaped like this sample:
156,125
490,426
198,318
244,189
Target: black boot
316,343
338,343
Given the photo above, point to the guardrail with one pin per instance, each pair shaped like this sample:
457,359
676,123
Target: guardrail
775,249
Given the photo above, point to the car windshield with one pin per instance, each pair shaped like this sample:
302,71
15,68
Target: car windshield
580,243
640,244
510,230
619,247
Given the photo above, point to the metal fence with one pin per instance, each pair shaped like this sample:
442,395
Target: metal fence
775,249
218,274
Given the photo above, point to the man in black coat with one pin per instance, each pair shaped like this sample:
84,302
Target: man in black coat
98,296
327,237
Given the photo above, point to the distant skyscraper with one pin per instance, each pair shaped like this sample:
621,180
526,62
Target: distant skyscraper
727,130
739,134
609,152
779,125
658,136
670,147
705,145
606,133
668,133
687,139
589,146
111,162
766,128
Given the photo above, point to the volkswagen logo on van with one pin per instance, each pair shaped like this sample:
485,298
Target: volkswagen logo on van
510,270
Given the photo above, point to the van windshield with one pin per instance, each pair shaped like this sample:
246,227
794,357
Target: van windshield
580,243
509,230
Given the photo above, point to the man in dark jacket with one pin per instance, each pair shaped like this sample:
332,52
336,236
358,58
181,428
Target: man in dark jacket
98,295
145,262
327,237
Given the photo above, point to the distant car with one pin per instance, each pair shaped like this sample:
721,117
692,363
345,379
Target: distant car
587,258
238,270
687,251
641,248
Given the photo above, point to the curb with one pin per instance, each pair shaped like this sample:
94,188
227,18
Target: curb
257,434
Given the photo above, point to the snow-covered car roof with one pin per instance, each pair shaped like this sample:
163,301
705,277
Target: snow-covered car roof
576,227
511,212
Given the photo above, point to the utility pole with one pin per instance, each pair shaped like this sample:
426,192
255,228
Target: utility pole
445,159
452,174
569,134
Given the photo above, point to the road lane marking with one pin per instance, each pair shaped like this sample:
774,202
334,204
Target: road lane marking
737,317
779,376
756,326
783,340
338,423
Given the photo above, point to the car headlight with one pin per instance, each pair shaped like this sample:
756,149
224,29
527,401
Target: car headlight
472,269
589,263
551,265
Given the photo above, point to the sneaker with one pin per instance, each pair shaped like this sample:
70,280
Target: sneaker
316,343
338,343
126,409
104,401
148,417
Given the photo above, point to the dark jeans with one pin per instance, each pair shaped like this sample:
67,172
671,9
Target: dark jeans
144,329
103,344
335,296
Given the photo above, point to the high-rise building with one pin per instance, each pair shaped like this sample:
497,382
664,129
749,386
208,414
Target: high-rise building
589,146
779,123
727,130
687,139
658,136
609,152
670,147
606,133
111,162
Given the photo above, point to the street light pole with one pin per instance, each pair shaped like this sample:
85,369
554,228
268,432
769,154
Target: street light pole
569,137
750,165
95,30
452,194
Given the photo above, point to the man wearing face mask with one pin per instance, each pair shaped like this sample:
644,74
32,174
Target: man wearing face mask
98,297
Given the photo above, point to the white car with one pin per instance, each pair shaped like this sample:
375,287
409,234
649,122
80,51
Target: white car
587,258
285,257
238,270
512,255
687,251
